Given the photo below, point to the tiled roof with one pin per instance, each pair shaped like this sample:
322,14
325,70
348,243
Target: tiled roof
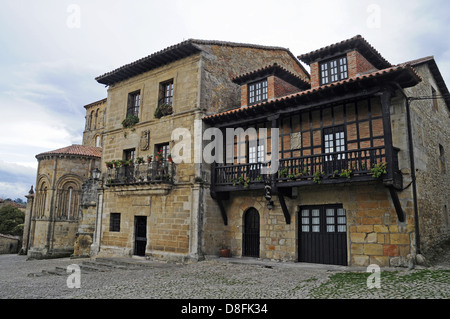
357,42
273,69
436,74
405,74
173,53
75,149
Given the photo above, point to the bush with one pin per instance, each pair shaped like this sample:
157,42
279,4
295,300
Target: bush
11,221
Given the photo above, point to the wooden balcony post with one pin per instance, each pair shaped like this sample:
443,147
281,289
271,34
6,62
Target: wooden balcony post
385,108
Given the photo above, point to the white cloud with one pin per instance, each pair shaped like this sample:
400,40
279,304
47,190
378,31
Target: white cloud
47,69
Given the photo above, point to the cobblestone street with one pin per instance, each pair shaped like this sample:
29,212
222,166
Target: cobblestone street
212,279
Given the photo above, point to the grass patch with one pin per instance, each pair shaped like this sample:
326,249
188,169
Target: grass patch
416,284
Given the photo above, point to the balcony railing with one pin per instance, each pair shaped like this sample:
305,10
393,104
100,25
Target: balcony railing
153,172
331,167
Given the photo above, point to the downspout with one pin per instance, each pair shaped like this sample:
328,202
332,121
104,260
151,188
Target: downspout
413,168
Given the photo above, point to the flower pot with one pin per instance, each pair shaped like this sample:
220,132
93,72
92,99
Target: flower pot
225,252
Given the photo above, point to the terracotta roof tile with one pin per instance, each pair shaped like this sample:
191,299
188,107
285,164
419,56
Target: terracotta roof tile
75,149
371,75
357,42
173,53
273,69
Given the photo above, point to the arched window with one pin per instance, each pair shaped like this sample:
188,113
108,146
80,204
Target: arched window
68,200
98,141
91,120
41,201
96,118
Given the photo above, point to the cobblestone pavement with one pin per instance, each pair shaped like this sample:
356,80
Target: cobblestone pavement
213,279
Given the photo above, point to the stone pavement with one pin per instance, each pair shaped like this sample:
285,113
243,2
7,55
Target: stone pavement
214,278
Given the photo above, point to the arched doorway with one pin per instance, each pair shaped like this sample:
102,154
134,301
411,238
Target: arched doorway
251,233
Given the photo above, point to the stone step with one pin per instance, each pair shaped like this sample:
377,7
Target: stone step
57,271
129,263
104,265
92,268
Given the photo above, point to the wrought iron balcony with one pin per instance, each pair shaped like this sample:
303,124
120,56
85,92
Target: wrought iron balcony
348,166
153,172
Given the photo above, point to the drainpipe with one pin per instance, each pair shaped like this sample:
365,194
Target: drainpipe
413,168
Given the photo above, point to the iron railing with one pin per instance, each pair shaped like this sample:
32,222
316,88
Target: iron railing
337,165
153,172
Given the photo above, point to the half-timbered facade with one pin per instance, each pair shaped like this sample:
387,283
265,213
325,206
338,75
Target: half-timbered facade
340,194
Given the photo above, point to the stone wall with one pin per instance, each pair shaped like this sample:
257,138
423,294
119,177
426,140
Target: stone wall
374,235
431,139
9,244
222,63
52,235
95,123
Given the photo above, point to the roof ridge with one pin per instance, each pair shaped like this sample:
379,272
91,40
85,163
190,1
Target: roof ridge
418,61
305,57
319,88
75,149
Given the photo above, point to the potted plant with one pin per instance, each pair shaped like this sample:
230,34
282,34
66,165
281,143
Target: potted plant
158,156
109,164
149,158
378,170
130,121
225,252
169,158
140,160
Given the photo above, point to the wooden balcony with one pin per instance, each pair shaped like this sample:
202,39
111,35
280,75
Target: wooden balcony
331,168
146,173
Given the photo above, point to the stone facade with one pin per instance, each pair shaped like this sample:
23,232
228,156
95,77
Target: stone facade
175,211
95,123
54,213
181,217
430,121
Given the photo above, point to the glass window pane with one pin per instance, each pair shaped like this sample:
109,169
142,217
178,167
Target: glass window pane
316,229
305,228
330,211
342,228
330,229
330,220
341,220
305,221
341,212
316,221
305,212
315,212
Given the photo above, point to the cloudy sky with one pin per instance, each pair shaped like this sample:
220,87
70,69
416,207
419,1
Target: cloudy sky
51,51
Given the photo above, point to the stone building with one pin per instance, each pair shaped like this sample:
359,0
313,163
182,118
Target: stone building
361,172
9,244
53,211
156,207
362,176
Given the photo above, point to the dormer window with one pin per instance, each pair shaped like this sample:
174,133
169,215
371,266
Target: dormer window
333,70
257,92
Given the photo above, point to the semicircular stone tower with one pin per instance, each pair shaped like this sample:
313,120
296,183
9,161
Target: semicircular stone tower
56,213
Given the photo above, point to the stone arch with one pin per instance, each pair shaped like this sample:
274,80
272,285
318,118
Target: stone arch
68,197
251,232
98,140
41,201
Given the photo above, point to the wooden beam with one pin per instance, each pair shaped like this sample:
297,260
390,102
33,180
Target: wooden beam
223,212
287,216
397,204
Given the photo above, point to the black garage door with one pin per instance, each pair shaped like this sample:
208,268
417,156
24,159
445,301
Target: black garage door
322,235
